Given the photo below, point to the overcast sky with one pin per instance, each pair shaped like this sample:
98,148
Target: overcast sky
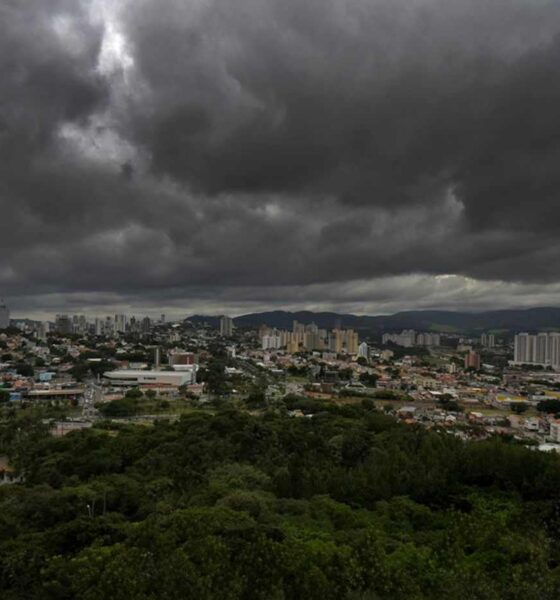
212,156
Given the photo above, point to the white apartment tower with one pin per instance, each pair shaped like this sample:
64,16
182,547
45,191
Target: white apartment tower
226,326
540,349
120,323
521,348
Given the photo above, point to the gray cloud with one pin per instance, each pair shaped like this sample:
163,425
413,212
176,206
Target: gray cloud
267,152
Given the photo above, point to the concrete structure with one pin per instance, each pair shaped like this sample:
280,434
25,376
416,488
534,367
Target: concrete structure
63,324
343,340
180,357
540,349
488,340
56,394
157,358
555,431
408,338
98,326
309,338
132,378
226,326
271,342
120,323
41,330
351,341
428,339
521,351
472,360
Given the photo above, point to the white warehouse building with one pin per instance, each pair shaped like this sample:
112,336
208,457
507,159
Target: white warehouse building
130,377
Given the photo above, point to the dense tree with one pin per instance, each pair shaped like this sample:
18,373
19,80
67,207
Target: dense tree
125,407
348,504
80,370
25,369
447,402
369,379
551,405
215,377
519,407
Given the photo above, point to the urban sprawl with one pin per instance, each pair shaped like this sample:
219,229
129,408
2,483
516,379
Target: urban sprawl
77,370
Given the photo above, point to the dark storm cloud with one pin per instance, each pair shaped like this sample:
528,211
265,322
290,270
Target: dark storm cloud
48,50
163,148
376,102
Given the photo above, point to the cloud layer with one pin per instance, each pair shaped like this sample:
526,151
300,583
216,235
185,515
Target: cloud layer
341,154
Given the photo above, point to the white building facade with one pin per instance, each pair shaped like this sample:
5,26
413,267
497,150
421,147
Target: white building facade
540,349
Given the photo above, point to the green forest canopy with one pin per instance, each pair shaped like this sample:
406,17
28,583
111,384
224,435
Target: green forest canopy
347,504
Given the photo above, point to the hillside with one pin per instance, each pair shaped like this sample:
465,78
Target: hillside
437,320
347,505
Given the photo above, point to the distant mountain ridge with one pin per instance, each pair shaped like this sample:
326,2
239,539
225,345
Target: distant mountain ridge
529,319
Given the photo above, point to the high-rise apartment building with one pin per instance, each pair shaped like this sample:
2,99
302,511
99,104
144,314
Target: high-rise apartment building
79,324
472,360
271,342
109,326
120,323
335,341
226,326
312,341
41,330
352,341
488,340
363,350
63,324
308,338
553,349
428,339
98,326
407,338
520,350
133,325
540,349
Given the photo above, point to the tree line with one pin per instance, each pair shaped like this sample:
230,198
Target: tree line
347,503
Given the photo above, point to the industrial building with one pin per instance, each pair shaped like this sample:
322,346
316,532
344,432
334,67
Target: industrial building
133,378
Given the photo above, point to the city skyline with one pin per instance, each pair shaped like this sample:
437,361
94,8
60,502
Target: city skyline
518,317
279,299
181,309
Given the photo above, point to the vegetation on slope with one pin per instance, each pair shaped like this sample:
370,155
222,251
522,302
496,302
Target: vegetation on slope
347,504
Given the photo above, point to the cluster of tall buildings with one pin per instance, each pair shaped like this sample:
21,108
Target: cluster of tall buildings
537,349
408,338
108,326
309,337
488,340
